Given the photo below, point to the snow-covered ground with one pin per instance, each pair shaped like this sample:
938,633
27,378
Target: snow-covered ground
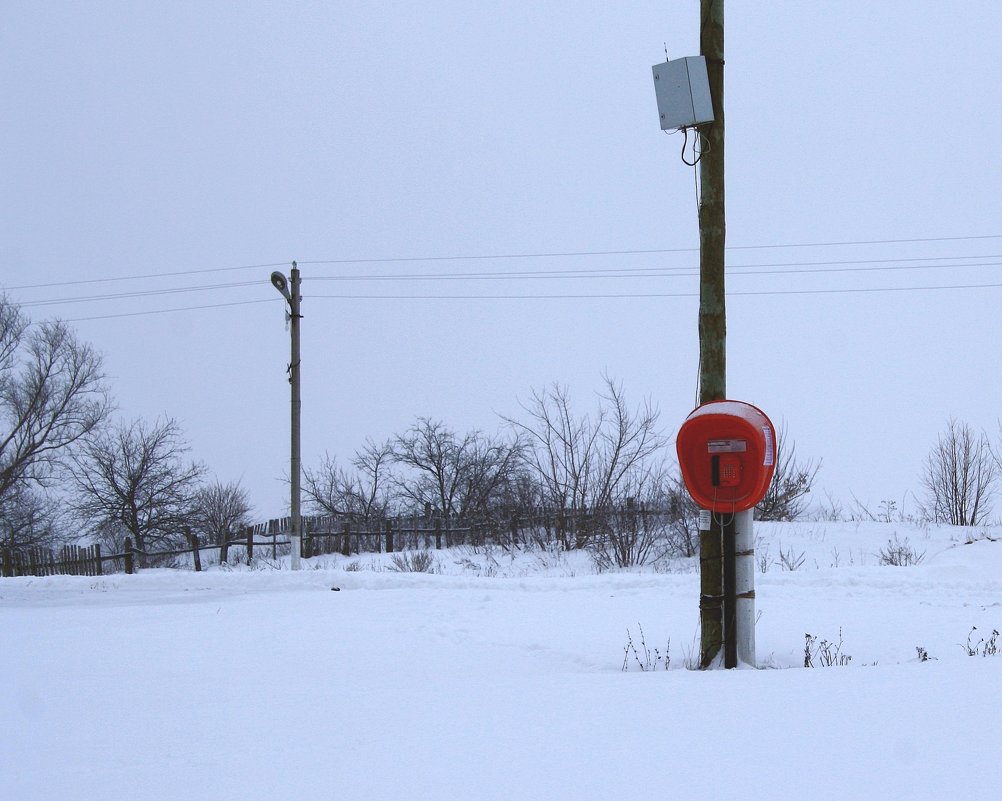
500,677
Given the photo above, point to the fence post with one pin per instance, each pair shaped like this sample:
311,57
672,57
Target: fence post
224,548
8,563
389,536
195,555
98,567
130,562
346,539
249,531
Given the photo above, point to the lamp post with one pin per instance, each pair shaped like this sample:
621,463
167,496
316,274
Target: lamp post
290,291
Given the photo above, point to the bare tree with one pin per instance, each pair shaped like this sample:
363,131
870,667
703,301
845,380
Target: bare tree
586,462
332,490
52,393
488,466
30,517
221,511
960,477
329,488
683,517
458,476
562,448
786,498
134,480
590,463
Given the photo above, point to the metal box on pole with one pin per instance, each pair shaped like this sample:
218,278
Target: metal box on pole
683,93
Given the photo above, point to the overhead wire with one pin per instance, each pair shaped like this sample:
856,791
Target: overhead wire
658,272
746,270
653,295
653,251
789,268
110,279
585,296
136,294
170,311
498,257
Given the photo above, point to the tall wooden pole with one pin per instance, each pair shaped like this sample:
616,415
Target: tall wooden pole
712,325
297,405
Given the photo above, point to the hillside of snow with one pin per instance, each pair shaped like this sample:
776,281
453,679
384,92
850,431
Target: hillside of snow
500,676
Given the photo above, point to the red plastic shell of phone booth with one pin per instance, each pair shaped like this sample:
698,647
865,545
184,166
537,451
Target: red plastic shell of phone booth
727,454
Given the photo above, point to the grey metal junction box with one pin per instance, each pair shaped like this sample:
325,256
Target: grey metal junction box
683,93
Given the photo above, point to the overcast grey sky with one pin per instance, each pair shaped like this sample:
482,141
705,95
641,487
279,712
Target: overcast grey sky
150,147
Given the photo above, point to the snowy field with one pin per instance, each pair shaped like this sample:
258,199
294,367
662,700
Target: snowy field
501,676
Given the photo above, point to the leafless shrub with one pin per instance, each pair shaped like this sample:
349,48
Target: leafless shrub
762,558
971,537
683,515
899,553
645,659
830,509
790,559
786,498
982,647
453,475
485,565
960,477
221,511
887,512
413,562
332,490
824,653
587,462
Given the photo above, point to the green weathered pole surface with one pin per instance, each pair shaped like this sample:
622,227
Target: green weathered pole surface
712,322
712,228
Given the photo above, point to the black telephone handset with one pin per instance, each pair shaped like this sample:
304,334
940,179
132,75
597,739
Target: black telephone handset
725,470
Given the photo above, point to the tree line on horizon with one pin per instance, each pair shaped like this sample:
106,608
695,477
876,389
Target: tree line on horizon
70,469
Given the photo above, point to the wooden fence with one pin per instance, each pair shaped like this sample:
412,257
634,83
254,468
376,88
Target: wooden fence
75,560
328,535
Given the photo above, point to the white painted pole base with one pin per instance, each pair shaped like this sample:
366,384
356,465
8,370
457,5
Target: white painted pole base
744,545
296,551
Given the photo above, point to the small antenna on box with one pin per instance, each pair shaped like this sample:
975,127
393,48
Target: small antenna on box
666,53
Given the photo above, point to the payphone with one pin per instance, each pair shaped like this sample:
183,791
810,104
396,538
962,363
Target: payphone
727,454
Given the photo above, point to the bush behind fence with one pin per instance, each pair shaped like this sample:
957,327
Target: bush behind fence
617,530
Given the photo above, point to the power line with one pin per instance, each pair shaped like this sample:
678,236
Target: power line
816,267
549,296
646,295
672,272
503,256
548,255
738,270
582,296
168,311
137,294
203,271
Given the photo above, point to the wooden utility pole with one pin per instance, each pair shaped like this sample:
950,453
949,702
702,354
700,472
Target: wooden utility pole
712,324
289,290
297,406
